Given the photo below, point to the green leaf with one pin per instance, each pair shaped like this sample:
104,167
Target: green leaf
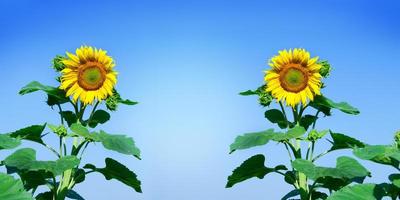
249,140
25,159
12,189
383,154
99,117
341,141
292,133
358,192
276,116
346,167
249,93
69,117
252,167
74,195
291,194
32,133
44,196
119,143
8,142
395,179
115,170
56,96
80,130
33,179
307,120
322,103
127,102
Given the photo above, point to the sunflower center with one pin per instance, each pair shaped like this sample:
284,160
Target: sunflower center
294,78
91,76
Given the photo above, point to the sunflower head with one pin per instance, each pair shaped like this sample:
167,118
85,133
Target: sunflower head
88,75
294,77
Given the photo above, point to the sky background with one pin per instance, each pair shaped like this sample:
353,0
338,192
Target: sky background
186,62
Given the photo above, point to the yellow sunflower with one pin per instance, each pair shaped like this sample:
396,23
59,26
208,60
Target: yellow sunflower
294,77
88,75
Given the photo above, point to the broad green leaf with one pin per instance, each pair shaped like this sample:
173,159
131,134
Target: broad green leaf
346,167
276,116
25,159
56,96
307,120
341,141
32,133
249,140
99,117
395,179
33,179
383,154
321,102
358,192
116,170
69,117
292,133
80,130
8,142
12,189
252,167
119,143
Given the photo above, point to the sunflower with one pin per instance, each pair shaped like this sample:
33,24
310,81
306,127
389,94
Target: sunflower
88,75
294,77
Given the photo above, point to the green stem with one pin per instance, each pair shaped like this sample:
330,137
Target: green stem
312,150
316,115
287,148
61,116
284,112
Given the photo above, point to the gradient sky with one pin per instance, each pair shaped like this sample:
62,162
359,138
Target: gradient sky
185,62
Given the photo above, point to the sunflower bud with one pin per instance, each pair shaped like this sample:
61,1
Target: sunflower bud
397,139
58,65
315,135
265,99
112,101
60,130
325,69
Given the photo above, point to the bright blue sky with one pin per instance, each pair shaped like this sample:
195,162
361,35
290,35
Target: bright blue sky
185,62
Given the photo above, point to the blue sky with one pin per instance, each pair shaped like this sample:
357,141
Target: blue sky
185,62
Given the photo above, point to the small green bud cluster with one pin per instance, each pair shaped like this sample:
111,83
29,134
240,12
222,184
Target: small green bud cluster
113,101
265,99
397,139
58,65
315,135
60,130
325,69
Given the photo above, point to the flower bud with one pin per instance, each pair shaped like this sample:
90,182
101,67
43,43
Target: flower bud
265,99
112,101
325,68
60,130
57,63
397,139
